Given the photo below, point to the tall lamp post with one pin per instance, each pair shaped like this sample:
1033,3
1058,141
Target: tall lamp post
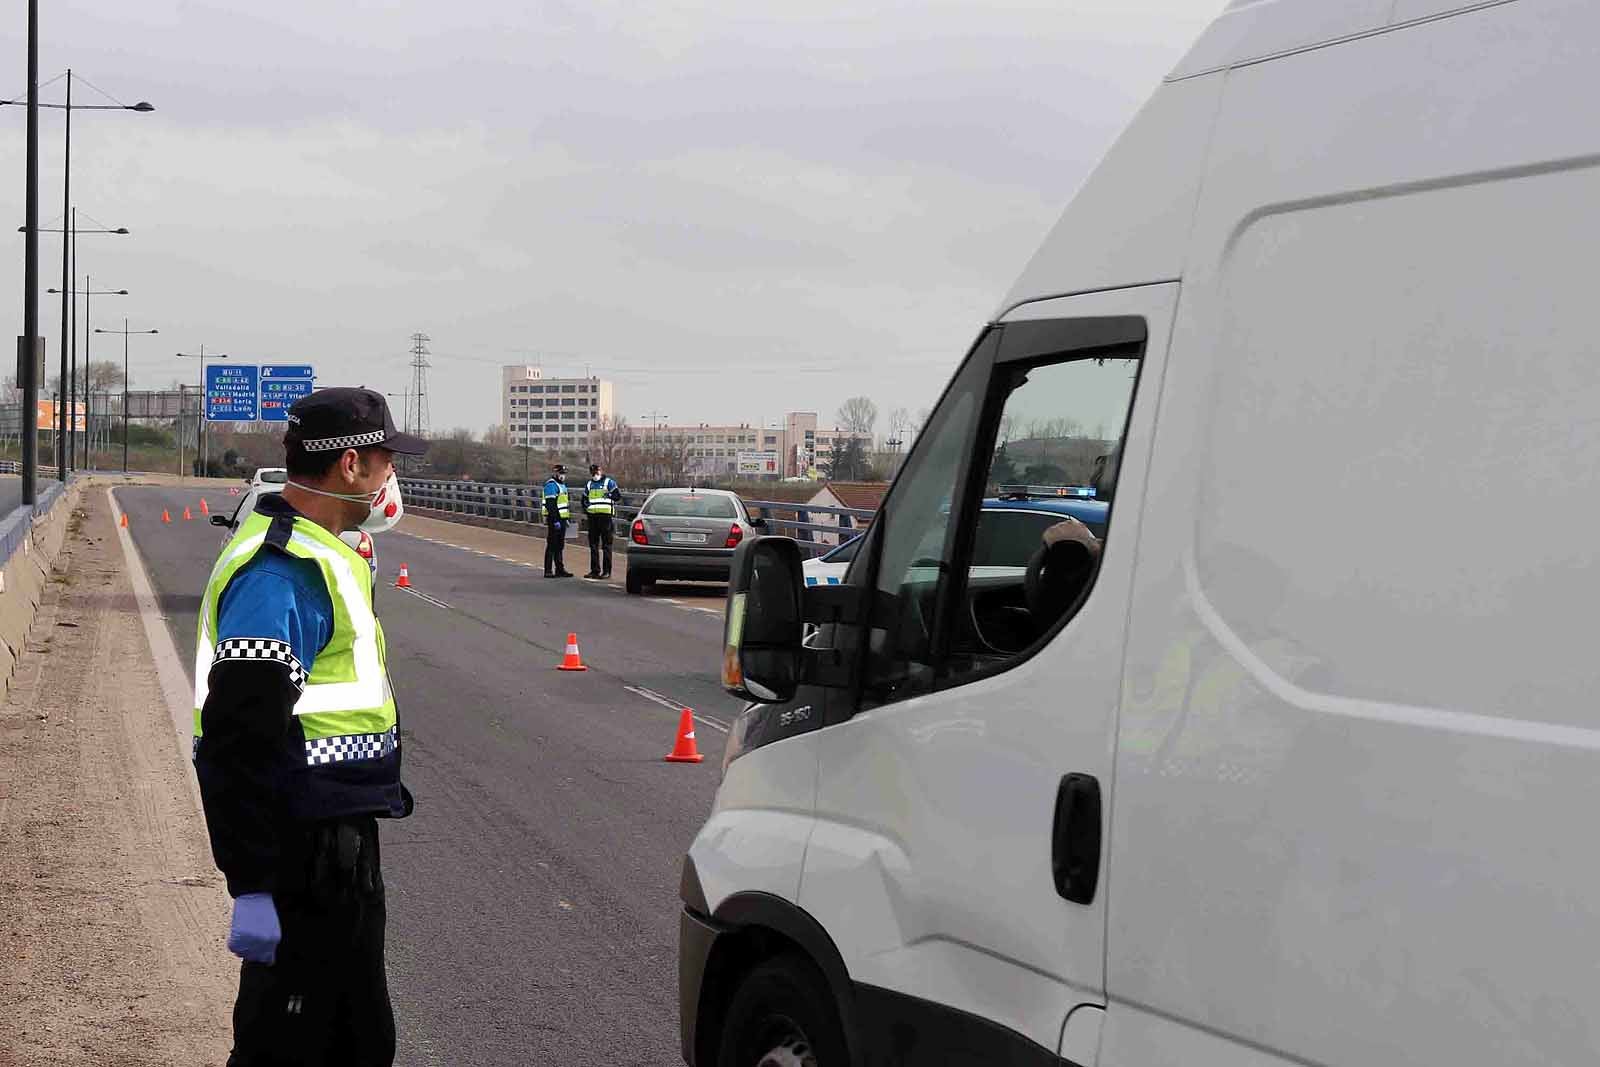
69,333
30,270
126,333
70,384
200,430
32,103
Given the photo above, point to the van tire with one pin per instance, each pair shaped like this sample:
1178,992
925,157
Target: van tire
636,581
782,1006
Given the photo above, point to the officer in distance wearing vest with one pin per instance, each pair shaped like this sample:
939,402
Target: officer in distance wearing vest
557,513
600,498
297,742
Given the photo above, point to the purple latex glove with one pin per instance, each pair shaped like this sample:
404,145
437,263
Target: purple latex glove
255,932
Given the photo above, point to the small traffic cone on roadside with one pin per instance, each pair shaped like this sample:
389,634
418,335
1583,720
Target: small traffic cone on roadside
204,509
186,516
404,581
685,751
572,662
124,520
166,516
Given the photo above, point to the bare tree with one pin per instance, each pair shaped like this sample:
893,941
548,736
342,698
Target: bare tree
900,426
858,415
611,440
103,375
497,435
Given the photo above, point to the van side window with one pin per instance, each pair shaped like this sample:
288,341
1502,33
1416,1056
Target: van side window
1005,533
914,560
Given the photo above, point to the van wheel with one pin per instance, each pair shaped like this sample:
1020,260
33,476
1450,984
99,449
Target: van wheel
636,581
782,1016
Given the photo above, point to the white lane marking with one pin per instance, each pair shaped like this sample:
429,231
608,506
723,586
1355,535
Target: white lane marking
424,596
171,674
668,702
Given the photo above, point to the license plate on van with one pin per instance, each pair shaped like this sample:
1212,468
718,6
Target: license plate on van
686,538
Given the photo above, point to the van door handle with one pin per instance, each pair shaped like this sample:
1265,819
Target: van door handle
1075,852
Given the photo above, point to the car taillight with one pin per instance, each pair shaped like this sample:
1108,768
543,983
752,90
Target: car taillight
735,535
638,533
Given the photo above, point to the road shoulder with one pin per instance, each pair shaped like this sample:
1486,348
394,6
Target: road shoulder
112,938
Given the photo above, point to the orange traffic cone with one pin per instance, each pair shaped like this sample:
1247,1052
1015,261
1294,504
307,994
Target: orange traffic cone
124,520
204,510
186,516
685,751
166,516
404,581
572,662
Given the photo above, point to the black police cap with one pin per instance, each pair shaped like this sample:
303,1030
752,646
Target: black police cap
336,419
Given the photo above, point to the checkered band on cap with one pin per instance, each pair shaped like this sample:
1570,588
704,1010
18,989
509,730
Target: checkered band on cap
360,440
323,750
262,648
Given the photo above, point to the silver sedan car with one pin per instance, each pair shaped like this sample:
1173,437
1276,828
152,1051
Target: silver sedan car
687,534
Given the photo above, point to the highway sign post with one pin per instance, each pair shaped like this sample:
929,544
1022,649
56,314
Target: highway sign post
281,386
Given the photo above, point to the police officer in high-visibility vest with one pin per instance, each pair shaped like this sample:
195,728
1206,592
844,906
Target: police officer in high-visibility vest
557,514
297,742
600,497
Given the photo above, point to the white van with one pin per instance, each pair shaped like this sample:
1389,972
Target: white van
1295,767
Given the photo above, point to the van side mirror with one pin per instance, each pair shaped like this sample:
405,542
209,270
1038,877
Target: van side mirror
220,520
761,649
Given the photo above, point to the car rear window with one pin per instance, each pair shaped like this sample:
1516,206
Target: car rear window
687,506
274,477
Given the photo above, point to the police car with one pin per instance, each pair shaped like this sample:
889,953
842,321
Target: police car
1009,531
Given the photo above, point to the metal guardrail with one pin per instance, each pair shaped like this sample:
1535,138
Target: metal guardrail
525,504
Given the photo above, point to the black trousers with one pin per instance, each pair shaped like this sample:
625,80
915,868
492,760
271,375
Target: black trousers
324,1002
555,543
599,538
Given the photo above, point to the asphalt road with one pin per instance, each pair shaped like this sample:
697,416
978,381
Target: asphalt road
533,895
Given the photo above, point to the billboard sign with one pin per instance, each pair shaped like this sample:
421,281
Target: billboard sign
757,464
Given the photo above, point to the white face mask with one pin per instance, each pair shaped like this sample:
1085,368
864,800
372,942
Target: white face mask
384,508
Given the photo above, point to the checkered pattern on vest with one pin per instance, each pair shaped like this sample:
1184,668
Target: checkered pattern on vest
262,648
351,747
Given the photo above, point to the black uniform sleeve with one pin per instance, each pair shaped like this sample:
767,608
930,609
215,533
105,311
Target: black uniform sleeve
245,724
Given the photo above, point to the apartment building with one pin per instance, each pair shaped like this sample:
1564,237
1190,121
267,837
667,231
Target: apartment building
794,448
553,413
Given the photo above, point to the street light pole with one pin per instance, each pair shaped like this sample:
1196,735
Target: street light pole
69,385
125,332
200,428
68,264
30,310
30,270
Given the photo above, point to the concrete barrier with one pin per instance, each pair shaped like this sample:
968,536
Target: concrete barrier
30,541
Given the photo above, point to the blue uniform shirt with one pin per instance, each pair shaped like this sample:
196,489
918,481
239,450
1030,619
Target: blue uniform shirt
280,598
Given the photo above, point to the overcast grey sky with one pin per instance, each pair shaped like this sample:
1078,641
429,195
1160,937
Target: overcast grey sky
730,210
